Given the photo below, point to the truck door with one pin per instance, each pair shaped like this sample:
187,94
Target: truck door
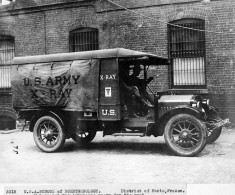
109,96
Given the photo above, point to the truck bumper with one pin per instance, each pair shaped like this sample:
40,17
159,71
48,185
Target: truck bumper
221,123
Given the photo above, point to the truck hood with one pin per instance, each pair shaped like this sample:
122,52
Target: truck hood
181,99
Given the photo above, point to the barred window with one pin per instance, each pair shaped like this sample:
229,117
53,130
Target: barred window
83,39
187,54
7,50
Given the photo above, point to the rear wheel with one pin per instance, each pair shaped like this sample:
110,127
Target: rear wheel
48,134
185,135
83,138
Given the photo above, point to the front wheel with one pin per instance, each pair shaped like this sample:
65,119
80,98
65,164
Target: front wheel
213,133
185,135
48,134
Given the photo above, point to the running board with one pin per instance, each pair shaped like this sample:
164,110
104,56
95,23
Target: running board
137,122
129,134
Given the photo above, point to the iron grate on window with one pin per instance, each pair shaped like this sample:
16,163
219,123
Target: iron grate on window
7,50
187,53
84,39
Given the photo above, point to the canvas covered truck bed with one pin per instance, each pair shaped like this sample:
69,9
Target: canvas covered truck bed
70,85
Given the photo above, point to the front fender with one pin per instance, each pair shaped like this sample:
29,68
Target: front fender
174,111
184,108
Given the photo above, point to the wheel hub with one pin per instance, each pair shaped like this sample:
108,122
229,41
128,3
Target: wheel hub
185,135
49,134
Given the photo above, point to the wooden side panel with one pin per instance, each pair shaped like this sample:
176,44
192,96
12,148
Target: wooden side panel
109,95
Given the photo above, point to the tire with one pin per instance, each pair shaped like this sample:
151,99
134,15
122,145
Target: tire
185,135
84,138
212,132
48,134
212,135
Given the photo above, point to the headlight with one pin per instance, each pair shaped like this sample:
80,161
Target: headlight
196,104
206,102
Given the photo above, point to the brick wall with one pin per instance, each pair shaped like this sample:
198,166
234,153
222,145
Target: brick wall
46,30
6,110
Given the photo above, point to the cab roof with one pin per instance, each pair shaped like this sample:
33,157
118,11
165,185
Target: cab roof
95,54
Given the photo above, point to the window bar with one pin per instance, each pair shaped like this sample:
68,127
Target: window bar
80,41
7,53
200,54
199,57
89,41
173,52
73,46
175,59
85,40
75,37
190,82
1,85
93,41
92,37
203,54
195,53
70,43
96,40
4,52
184,41
188,54
194,59
187,57
181,52
178,55
75,41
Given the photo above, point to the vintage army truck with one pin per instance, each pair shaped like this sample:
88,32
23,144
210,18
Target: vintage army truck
74,95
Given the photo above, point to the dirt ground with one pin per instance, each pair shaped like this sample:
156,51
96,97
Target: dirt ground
115,160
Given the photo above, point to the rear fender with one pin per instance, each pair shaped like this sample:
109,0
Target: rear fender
57,115
177,110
